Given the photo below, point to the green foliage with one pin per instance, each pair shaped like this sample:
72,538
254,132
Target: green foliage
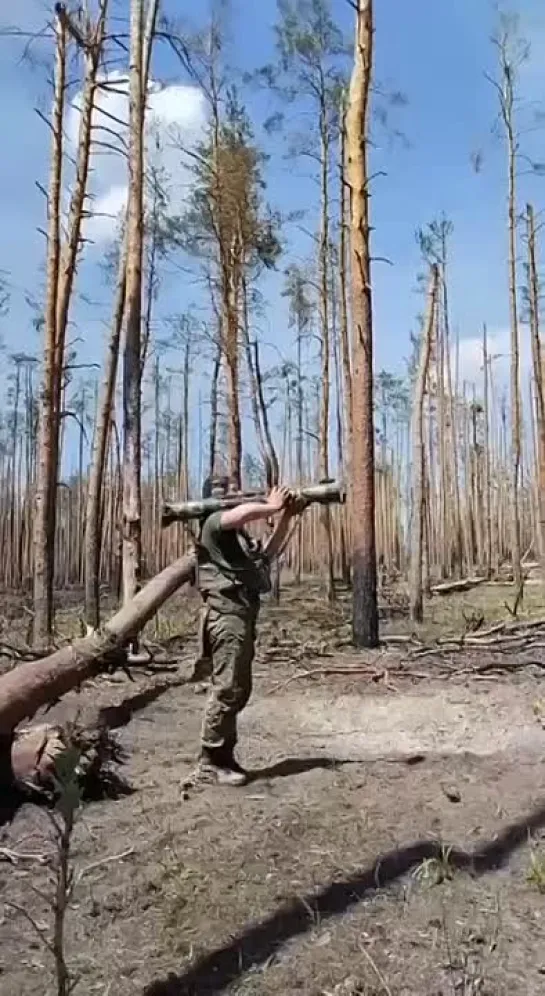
67,784
415,339
432,240
392,396
536,872
314,57
296,290
312,62
307,37
225,206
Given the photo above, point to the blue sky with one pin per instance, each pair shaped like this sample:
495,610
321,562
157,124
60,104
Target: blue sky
437,55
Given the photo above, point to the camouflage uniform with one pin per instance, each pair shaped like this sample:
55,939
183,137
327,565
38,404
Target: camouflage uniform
202,666
232,573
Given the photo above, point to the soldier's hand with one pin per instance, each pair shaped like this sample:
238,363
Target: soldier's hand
278,499
296,504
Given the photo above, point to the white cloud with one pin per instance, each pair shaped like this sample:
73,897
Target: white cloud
176,115
107,209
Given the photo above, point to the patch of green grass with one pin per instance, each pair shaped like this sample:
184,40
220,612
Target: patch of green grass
434,871
449,615
539,711
536,872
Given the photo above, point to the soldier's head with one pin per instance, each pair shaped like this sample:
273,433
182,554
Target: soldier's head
215,487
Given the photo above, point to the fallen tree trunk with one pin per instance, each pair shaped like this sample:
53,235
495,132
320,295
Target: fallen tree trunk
34,684
464,584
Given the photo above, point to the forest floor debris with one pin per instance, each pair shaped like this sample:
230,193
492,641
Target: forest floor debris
391,839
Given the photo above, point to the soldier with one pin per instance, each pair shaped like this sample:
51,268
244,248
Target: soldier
233,572
213,487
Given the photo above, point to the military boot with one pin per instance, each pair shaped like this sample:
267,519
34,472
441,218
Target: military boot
219,766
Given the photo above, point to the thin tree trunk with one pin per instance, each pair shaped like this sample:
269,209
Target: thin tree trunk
93,518
340,426
269,441
260,437
444,559
185,419
417,530
213,429
516,428
132,497
14,491
33,684
364,564
231,351
456,520
345,334
299,442
538,371
324,339
516,451
487,475
46,483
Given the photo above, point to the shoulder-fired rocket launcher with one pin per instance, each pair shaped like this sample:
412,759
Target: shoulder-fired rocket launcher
327,493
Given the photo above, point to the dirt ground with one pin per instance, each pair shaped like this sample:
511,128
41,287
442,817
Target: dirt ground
391,841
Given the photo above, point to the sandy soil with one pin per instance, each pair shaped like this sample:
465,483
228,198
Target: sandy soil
392,841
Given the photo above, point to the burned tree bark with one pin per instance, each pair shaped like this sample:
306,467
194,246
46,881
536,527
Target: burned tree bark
418,484
512,52
516,448
132,370
270,448
325,347
364,566
61,271
34,684
254,395
93,518
44,517
537,365
213,427
343,296
487,462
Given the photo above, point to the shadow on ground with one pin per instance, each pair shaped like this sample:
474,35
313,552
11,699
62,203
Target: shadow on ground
116,716
296,766
253,947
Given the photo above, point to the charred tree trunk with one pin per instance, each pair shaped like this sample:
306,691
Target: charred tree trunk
537,365
231,285
505,89
254,398
34,684
132,498
272,455
93,518
213,428
343,296
46,483
444,559
62,263
340,425
516,450
325,512
486,457
364,564
418,485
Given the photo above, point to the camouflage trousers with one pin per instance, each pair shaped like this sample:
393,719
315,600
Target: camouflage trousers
202,665
229,642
